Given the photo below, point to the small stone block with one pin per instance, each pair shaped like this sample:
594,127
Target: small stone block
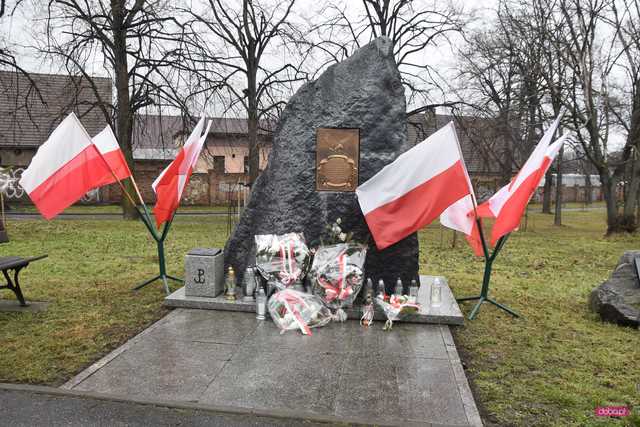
204,272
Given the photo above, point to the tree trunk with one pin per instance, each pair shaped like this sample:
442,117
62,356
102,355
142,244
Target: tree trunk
588,189
638,207
124,115
557,220
631,192
254,149
252,118
609,193
546,192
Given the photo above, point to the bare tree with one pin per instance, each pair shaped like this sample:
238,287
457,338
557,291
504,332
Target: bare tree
567,47
590,58
500,79
543,29
235,45
626,21
412,26
138,44
7,56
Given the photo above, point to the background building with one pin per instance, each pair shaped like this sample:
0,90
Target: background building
28,116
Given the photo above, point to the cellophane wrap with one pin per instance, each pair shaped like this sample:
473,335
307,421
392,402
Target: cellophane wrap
337,275
291,309
395,307
283,260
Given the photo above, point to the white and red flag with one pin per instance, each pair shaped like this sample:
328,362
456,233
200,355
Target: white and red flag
508,204
428,180
66,166
171,182
107,145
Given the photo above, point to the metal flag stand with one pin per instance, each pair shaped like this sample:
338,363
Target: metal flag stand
159,238
488,263
145,217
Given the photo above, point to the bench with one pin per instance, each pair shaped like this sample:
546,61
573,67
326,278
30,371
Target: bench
14,264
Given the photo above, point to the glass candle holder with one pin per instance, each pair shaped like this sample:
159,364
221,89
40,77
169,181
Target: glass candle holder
436,292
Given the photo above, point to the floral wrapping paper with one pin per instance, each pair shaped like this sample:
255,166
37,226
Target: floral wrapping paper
395,307
292,310
283,260
337,276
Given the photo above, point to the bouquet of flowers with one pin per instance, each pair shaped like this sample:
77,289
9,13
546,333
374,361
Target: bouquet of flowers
333,234
396,306
337,275
282,260
291,310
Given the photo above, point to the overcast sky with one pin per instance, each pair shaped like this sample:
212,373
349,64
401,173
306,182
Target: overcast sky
20,31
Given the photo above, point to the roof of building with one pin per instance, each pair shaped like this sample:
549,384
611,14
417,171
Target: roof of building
480,141
29,114
163,132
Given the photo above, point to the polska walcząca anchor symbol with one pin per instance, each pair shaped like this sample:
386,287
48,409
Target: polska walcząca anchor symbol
200,278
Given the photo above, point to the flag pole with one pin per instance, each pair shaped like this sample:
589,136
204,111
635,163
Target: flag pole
135,187
105,161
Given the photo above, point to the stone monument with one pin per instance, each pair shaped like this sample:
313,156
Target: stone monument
617,300
334,134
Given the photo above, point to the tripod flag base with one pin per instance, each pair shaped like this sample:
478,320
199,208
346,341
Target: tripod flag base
481,300
165,278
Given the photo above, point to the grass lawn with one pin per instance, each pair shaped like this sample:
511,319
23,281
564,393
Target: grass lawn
551,368
559,363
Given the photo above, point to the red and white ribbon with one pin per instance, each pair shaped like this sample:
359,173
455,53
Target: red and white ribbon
291,302
288,275
342,291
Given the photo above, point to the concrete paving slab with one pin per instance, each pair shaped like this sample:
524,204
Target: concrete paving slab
163,369
265,380
202,326
410,375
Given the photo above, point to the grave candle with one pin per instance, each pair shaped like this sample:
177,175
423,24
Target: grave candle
436,292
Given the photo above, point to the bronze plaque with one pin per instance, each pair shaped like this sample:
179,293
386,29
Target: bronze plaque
337,159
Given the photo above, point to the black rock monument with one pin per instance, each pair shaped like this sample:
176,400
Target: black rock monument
363,92
617,300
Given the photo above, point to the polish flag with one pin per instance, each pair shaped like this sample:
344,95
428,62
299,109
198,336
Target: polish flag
171,182
107,145
66,167
416,188
508,204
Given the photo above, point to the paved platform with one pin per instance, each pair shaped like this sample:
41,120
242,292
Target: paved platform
409,376
447,313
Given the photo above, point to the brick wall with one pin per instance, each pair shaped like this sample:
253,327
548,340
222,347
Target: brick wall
570,194
197,192
226,188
